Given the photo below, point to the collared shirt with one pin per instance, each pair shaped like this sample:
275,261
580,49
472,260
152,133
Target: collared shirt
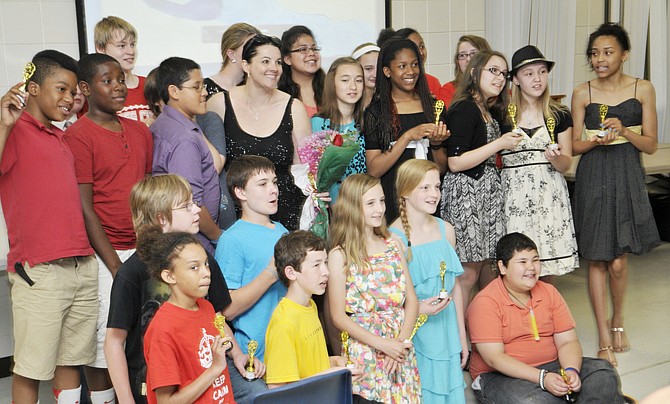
180,148
494,317
40,197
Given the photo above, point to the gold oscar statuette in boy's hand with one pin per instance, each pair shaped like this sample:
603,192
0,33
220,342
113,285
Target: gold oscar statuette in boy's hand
602,110
421,320
551,125
251,349
219,322
344,336
439,107
28,71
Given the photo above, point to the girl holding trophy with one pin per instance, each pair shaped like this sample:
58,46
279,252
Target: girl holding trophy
185,352
435,269
534,190
612,212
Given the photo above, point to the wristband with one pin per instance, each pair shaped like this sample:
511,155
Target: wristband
543,374
573,369
435,147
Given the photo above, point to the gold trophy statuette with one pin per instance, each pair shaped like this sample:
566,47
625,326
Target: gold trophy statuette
551,125
603,114
511,111
443,271
421,320
28,71
439,107
344,336
251,349
219,322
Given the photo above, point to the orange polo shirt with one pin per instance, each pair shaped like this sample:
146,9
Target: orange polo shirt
493,317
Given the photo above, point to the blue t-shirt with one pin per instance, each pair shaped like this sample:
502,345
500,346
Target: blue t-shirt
243,252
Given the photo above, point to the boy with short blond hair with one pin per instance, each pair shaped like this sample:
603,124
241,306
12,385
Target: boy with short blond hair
51,266
117,38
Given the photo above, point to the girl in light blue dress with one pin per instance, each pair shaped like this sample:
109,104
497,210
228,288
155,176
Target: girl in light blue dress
440,344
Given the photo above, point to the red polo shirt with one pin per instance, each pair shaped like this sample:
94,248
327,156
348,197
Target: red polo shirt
40,197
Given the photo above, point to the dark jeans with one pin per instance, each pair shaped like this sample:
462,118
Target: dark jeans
242,389
600,384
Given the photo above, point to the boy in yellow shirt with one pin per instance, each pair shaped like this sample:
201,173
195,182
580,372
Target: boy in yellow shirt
295,342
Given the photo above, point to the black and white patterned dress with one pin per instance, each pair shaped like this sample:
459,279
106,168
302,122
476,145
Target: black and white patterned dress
474,206
536,200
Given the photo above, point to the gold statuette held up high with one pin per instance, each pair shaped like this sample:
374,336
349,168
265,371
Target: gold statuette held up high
28,71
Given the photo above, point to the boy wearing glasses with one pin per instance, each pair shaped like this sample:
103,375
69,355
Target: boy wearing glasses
179,143
111,154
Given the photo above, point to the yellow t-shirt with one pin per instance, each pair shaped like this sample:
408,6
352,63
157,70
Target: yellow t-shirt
295,345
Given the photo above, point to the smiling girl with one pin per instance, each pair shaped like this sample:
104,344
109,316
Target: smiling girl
400,122
471,190
370,293
342,109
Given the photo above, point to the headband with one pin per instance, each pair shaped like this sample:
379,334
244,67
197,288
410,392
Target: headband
366,49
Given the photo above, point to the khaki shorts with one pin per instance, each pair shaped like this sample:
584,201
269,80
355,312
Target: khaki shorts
55,318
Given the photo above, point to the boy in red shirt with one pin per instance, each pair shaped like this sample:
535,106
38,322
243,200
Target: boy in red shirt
51,266
111,153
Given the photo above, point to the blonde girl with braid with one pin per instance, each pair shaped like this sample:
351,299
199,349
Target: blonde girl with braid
433,267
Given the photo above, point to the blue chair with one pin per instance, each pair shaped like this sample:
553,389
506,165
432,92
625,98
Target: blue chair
330,388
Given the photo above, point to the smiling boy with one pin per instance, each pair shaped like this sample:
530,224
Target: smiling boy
50,263
111,153
117,38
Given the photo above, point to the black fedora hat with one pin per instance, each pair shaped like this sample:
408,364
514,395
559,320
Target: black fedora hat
527,55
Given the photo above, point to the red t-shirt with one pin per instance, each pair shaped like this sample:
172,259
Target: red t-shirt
447,93
40,197
434,85
177,350
493,317
112,162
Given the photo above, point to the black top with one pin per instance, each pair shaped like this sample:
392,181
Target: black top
211,87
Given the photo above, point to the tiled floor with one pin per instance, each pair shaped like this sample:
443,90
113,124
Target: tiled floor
644,369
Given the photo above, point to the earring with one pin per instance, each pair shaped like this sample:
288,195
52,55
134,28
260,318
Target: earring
233,60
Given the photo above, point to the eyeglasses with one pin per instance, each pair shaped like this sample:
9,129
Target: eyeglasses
497,72
305,49
197,88
187,206
467,55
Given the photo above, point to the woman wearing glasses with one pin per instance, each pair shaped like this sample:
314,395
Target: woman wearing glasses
259,119
467,47
471,191
303,76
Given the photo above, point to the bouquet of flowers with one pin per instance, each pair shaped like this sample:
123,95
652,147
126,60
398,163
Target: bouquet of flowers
325,157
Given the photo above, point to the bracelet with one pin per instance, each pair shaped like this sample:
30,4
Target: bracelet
543,374
573,369
435,147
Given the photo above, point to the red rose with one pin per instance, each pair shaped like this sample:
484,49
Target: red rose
337,140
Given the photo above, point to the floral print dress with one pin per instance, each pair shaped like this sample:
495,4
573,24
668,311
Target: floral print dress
375,301
537,202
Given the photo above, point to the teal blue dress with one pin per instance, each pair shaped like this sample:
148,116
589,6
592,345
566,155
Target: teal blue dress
437,343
